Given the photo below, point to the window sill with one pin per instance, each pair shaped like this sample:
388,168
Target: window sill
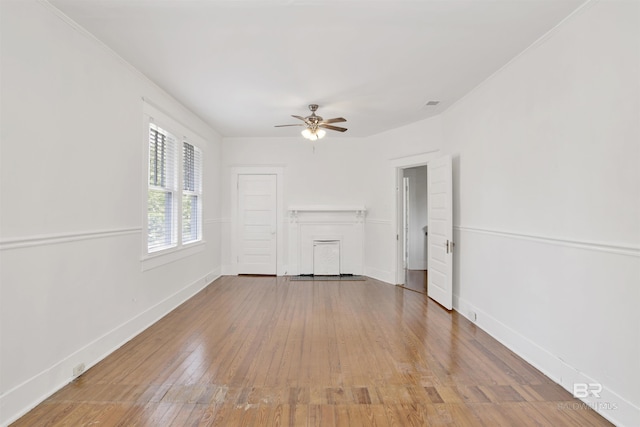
157,259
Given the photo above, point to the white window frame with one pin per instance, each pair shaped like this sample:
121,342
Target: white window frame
181,134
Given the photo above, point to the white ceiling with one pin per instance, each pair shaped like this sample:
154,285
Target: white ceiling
247,65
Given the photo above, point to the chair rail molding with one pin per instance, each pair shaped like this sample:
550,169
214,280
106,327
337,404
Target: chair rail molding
54,239
615,248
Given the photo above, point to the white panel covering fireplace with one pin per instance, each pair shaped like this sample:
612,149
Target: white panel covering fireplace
326,257
342,225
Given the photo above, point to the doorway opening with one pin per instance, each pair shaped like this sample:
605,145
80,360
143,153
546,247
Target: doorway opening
439,234
414,228
400,165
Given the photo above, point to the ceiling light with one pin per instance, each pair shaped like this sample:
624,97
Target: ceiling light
314,134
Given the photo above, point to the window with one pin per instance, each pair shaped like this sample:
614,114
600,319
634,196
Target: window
161,197
168,195
191,193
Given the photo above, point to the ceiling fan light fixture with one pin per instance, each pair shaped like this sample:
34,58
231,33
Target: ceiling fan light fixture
313,135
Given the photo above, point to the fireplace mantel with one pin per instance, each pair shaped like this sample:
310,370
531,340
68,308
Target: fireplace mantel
311,223
326,208
296,211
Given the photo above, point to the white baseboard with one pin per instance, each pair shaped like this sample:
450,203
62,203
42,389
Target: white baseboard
283,270
610,405
383,275
20,399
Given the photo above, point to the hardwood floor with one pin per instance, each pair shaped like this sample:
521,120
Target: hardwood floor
267,351
416,280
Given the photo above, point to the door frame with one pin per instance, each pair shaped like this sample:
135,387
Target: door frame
278,171
397,222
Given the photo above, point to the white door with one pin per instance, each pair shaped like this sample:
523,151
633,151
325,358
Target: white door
439,239
257,224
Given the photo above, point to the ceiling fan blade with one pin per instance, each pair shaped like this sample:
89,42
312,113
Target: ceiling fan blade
339,129
299,117
281,126
336,120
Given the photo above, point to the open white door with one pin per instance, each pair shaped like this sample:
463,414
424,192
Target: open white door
257,224
440,237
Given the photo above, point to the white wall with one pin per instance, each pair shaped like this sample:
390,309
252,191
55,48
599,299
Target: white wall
327,172
388,150
72,188
547,204
336,171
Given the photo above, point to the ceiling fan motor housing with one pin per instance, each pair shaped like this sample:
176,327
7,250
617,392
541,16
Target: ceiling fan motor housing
313,119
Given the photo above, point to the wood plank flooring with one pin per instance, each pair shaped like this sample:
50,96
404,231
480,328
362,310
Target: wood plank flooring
416,280
251,351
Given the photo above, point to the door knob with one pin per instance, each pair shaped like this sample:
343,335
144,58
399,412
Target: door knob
449,246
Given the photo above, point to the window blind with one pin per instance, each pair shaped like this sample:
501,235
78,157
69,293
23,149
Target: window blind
191,195
161,200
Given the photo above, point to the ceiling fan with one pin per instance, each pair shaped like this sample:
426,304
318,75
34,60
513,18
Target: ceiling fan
315,125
